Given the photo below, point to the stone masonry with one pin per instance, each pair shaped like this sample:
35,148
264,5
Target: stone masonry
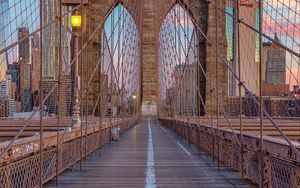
149,15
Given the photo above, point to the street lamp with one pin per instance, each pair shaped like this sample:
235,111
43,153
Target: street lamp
76,20
76,24
134,104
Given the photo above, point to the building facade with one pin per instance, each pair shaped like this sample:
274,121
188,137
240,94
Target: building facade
7,107
275,66
24,45
186,89
65,108
16,14
51,102
265,50
3,23
24,94
35,72
5,87
51,41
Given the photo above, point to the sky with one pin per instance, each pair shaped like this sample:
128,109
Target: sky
280,16
283,18
122,39
15,14
175,34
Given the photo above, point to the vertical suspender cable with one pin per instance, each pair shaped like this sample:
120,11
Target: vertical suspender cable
88,58
237,30
118,67
212,112
111,70
186,80
260,95
217,85
181,71
122,62
81,88
41,96
100,85
58,89
177,106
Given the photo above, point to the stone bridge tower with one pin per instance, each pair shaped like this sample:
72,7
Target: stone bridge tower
149,15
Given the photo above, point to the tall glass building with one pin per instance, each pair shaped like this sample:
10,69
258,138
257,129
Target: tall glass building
51,40
3,21
15,14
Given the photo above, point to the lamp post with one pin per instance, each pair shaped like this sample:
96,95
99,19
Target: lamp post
76,24
134,104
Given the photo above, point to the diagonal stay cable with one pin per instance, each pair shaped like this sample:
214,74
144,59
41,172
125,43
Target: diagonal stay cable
256,101
52,90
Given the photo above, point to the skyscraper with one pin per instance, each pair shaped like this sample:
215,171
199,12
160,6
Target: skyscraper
3,58
13,71
185,84
51,102
49,34
51,41
276,60
24,45
25,96
17,14
65,105
265,50
5,87
35,63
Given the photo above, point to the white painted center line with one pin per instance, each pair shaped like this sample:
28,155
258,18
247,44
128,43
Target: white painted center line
179,144
150,179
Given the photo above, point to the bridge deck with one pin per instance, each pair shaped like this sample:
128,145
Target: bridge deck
148,158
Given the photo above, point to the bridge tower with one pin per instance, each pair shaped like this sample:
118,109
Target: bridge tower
149,19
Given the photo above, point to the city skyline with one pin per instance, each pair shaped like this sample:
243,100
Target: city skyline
178,20
25,14
148,93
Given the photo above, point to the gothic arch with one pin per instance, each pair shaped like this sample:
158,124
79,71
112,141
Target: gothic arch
148,18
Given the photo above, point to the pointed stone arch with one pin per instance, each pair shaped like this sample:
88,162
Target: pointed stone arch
148,17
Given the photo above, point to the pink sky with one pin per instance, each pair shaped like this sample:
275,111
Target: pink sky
286,28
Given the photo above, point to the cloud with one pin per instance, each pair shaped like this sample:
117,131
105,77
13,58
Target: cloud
284,3
282,27
282,17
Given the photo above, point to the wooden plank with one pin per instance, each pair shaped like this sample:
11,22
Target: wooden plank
124,164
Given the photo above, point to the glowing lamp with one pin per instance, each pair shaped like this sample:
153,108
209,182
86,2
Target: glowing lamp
134,96
76,21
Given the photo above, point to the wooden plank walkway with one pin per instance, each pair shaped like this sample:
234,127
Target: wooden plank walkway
149,155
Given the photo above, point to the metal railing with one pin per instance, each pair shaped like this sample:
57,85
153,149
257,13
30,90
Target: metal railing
281,167
21,165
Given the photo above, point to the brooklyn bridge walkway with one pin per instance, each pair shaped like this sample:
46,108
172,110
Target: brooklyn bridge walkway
149,155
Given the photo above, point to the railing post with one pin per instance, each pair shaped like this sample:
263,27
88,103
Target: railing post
267,170
177,128
100,139
198,139
110,127
181,131
188,132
